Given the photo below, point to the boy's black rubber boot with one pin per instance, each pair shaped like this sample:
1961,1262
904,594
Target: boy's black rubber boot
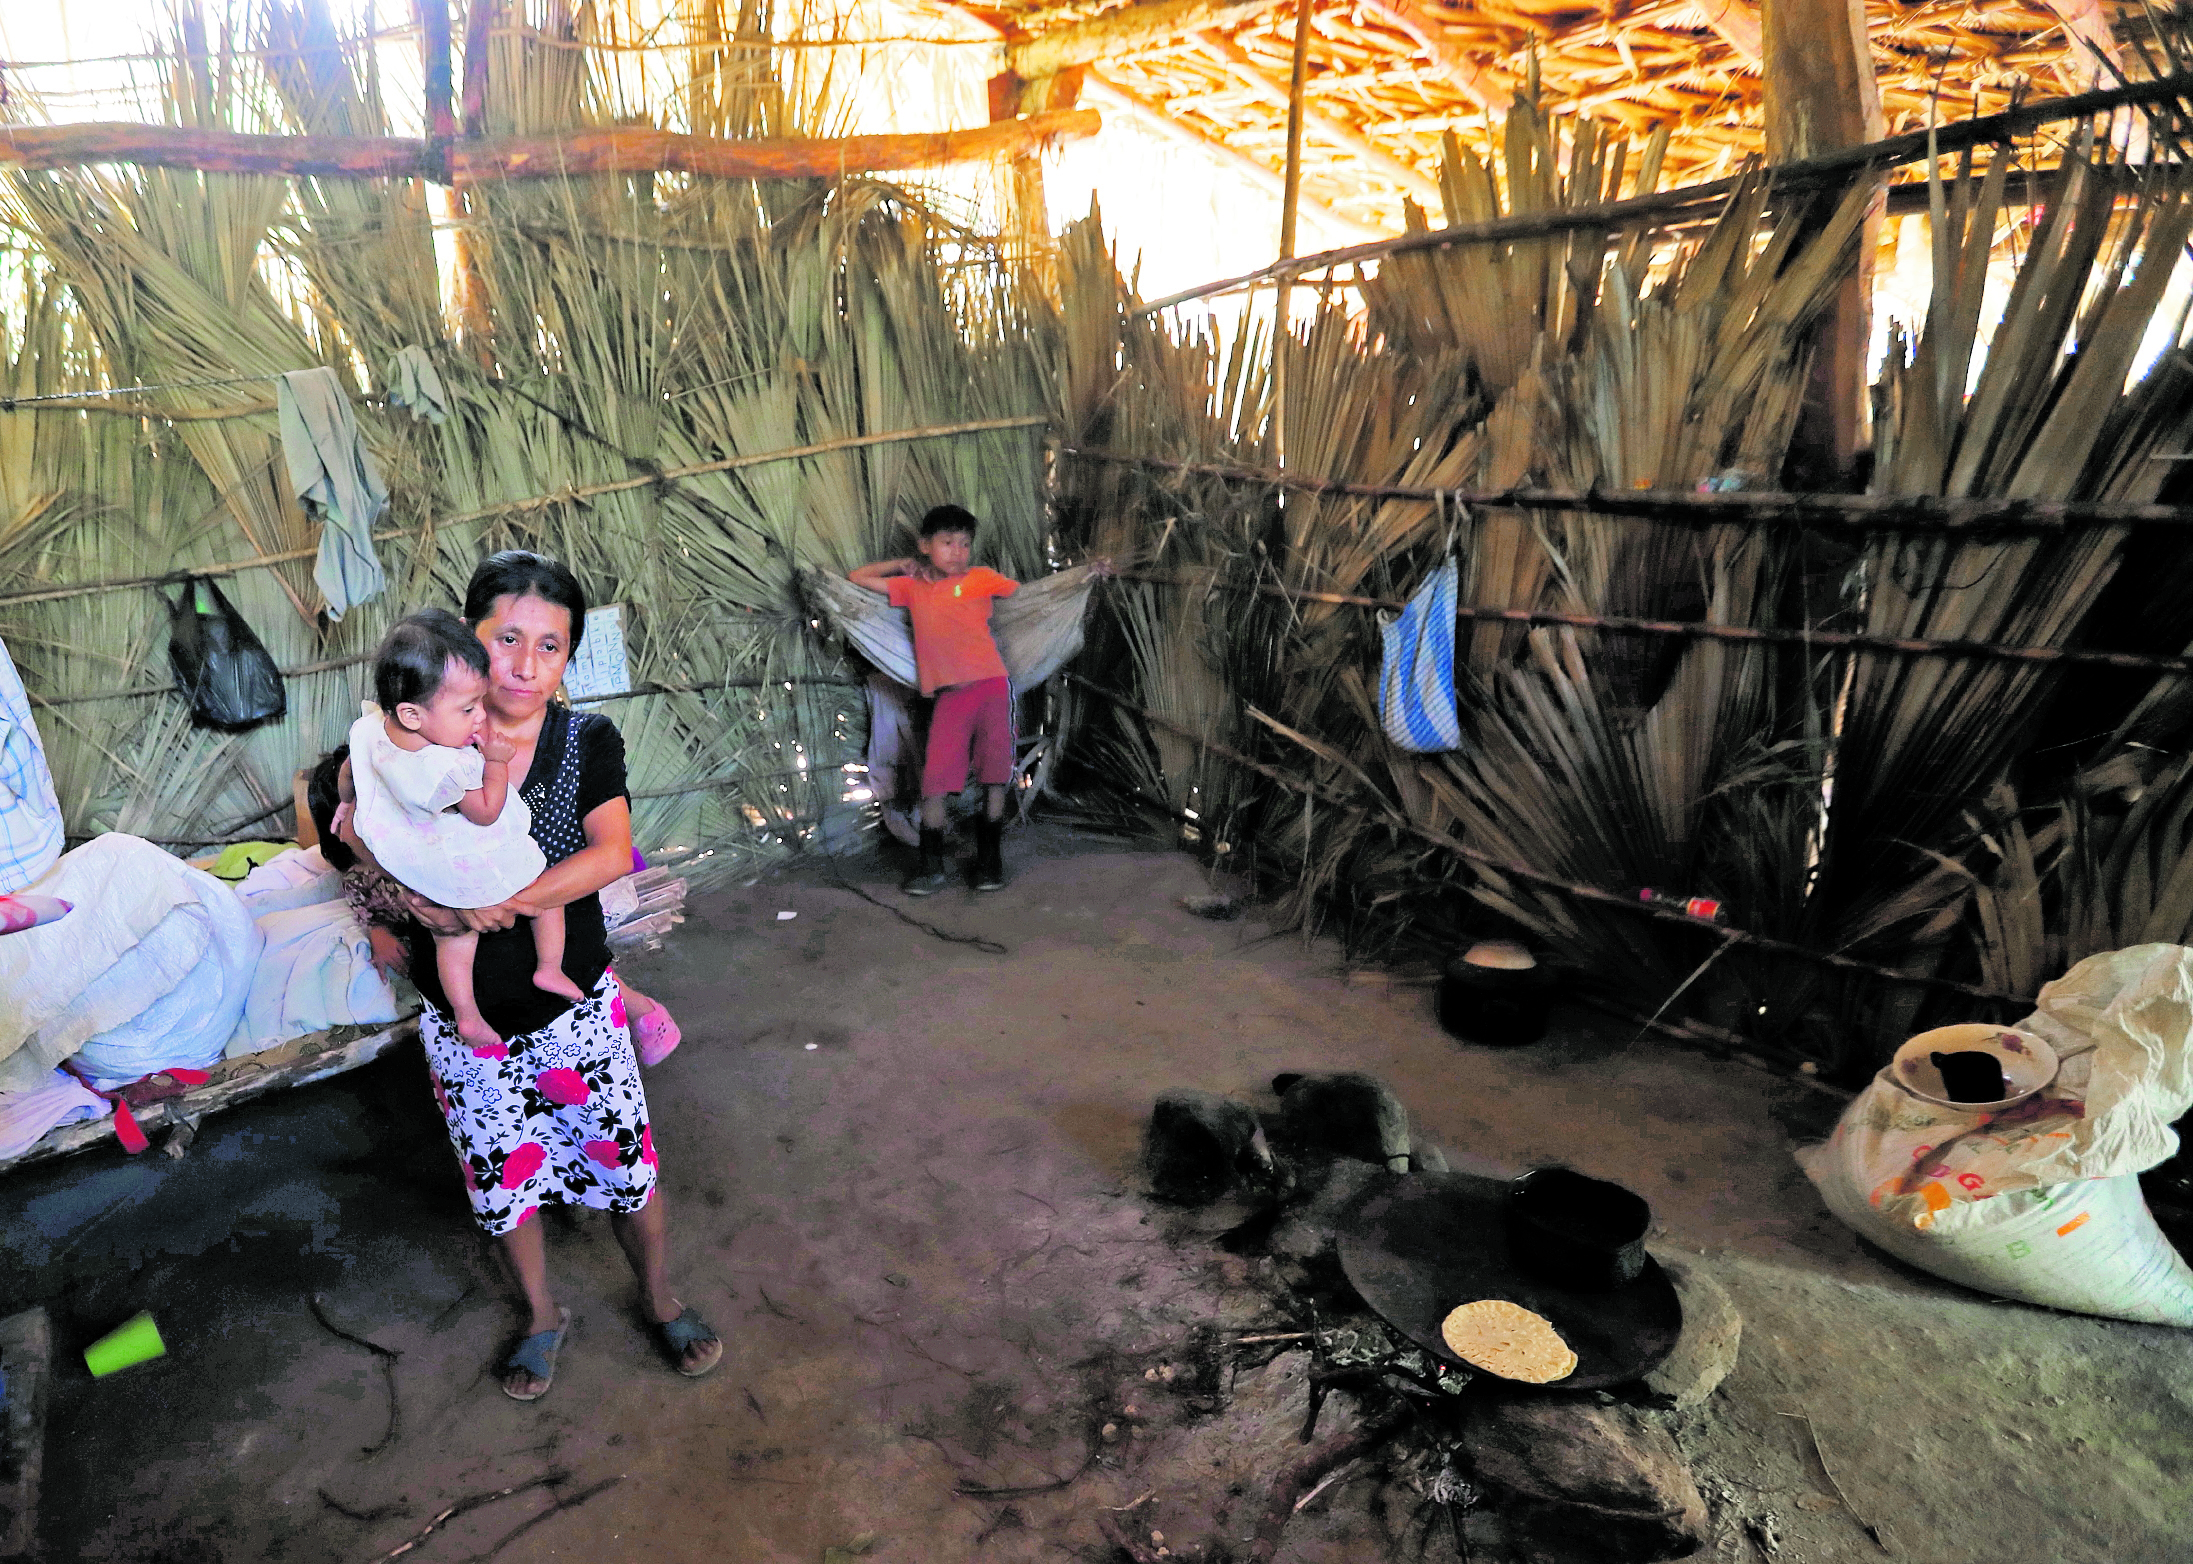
930,875
989,855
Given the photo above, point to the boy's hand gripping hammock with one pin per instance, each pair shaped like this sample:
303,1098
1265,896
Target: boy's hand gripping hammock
1037,629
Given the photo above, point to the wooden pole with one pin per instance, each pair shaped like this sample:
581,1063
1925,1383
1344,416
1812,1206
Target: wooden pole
1296,82
478,30
1821,98
441,120
1027,213
623,149
1289,204
1829,169
1855,514
433,15
1131,29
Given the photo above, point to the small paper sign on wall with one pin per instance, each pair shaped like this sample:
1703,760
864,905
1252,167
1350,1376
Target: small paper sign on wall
598,667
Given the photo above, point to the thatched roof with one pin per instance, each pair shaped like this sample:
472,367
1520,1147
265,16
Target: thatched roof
1386,78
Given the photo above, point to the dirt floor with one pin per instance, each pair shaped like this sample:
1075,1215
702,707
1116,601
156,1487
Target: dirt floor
902,1183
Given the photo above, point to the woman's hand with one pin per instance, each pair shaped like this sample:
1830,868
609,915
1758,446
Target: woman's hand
437,918
486,920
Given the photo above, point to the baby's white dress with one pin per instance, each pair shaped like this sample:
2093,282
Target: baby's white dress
403,815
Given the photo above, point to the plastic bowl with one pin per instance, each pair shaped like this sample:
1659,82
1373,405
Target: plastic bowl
2028,1064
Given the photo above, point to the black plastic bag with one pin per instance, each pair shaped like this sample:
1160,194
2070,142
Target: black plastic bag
226,674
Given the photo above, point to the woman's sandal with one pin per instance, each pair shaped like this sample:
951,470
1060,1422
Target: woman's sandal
536,1355
678,1335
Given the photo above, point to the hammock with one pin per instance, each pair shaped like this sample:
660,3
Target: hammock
1037,629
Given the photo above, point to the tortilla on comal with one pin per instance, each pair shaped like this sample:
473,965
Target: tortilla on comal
1506,1339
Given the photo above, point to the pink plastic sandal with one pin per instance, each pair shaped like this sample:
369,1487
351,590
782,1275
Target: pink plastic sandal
27,912
656,1034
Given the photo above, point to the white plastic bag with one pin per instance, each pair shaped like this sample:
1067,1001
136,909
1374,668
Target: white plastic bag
188,1025
2041,1202
316,972
297,878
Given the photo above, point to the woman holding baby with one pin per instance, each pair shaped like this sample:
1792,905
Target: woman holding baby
543,1101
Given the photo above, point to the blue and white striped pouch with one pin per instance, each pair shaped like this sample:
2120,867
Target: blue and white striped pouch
1416,684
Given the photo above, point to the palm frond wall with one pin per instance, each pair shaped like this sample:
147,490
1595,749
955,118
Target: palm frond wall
602,330
1896,809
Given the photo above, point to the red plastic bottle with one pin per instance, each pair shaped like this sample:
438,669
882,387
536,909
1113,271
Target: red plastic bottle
1703,908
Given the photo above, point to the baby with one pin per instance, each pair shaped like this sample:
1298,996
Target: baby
434,802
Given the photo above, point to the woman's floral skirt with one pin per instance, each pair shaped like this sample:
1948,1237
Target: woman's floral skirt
553,1115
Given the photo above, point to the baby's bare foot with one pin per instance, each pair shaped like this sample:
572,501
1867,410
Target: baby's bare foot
550,980
477,1033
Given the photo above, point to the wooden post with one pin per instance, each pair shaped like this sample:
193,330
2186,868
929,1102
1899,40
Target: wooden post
1820,98
441,119
1290,202
1297,81
479,28
1027,214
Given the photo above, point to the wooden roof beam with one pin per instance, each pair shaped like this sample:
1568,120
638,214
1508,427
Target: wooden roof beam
2093,48
1129,29
619,150
1737,24
1155,119
1427,34
1243,69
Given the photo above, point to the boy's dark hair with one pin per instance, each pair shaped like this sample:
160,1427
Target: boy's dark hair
948,518
323,795
416,654
517,572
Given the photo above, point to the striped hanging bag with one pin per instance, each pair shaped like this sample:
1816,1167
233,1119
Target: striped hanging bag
1416,683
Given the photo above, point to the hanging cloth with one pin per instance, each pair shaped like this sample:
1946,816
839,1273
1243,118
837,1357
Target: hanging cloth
1037,629
330,470
30,813
1416,683
415,385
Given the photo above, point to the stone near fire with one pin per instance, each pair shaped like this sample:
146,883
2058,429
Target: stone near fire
1587,1481
1712,1332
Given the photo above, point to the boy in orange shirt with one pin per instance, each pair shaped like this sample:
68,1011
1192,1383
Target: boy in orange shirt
958,661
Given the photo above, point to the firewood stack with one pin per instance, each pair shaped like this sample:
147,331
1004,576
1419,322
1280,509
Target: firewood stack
641,908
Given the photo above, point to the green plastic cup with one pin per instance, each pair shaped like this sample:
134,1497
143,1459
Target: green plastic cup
135,1340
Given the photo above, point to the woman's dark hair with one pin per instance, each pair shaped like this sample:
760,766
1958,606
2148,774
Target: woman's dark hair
415,656
517,572
323,795
948,518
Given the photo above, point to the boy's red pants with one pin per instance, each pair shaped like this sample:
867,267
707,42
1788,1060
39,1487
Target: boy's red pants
971,722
